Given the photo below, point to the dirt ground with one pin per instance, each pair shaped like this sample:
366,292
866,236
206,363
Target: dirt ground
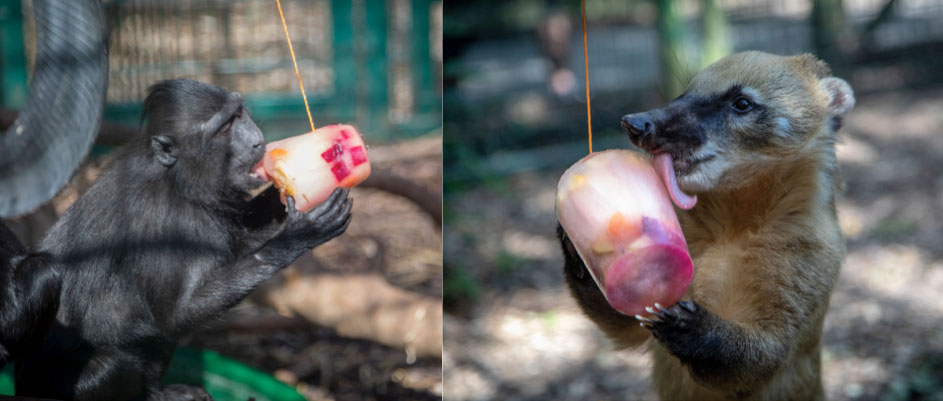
522,338
388,235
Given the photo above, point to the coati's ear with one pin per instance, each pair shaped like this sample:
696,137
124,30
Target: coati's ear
840,97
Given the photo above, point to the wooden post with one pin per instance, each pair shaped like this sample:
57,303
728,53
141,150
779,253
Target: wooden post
716,38
670,29
828,22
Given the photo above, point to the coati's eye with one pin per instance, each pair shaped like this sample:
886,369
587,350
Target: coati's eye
742,105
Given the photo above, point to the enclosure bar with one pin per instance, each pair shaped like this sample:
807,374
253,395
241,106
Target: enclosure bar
293,61
13,70
589,115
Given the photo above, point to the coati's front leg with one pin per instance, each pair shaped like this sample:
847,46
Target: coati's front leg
623,330
718,353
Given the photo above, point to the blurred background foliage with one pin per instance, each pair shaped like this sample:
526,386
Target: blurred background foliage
515,118
514,69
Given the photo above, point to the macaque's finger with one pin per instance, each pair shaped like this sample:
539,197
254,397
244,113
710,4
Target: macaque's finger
290,205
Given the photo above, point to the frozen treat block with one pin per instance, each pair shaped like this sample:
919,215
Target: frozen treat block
308,167
619,216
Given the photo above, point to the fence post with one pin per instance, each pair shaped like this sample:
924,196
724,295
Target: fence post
13,76
422,60
342,46
377,74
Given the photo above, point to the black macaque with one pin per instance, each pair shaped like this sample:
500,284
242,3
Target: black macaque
165,240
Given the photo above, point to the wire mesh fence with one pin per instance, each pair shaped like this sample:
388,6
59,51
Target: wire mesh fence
373,63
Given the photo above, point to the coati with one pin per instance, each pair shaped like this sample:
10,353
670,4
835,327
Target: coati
753,137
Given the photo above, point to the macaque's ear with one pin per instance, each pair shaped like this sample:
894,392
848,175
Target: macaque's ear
165,150
840,97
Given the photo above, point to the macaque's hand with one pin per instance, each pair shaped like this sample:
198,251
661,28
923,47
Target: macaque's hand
303,231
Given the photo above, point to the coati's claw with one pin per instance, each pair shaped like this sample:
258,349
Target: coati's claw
661,308
680,325
644,319
659,311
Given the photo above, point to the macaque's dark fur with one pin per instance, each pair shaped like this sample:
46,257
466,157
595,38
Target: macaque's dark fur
29,296
763,237
163,241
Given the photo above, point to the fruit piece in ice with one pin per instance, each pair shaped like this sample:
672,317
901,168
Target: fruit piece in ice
308,167
655,273
619,216
621,228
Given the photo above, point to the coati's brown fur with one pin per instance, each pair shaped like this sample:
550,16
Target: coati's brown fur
763,235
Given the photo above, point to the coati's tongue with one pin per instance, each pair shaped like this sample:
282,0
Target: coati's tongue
666,171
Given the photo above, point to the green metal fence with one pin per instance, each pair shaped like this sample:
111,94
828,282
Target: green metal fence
373,63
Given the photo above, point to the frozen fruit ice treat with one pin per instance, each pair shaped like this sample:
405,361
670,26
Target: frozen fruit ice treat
618,213
308,167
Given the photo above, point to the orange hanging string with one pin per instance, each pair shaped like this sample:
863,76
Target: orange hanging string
589,116
298,74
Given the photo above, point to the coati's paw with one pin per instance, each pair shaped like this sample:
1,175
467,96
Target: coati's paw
678,327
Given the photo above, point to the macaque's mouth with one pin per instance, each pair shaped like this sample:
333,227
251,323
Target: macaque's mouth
258,173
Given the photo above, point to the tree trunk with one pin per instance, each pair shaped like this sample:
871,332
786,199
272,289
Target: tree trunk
716,34
670,27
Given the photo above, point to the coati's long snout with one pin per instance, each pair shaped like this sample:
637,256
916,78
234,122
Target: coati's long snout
742,114
674,129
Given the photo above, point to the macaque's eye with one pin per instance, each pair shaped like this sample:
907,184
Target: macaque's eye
226,129
742,105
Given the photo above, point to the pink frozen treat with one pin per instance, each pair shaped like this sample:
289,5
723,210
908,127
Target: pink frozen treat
308,167
618,214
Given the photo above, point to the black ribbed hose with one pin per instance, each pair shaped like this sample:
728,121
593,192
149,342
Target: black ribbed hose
56,128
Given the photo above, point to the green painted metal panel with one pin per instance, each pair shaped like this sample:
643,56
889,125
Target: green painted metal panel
343,47
284,115
427,98
374,39
13,76
225,379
